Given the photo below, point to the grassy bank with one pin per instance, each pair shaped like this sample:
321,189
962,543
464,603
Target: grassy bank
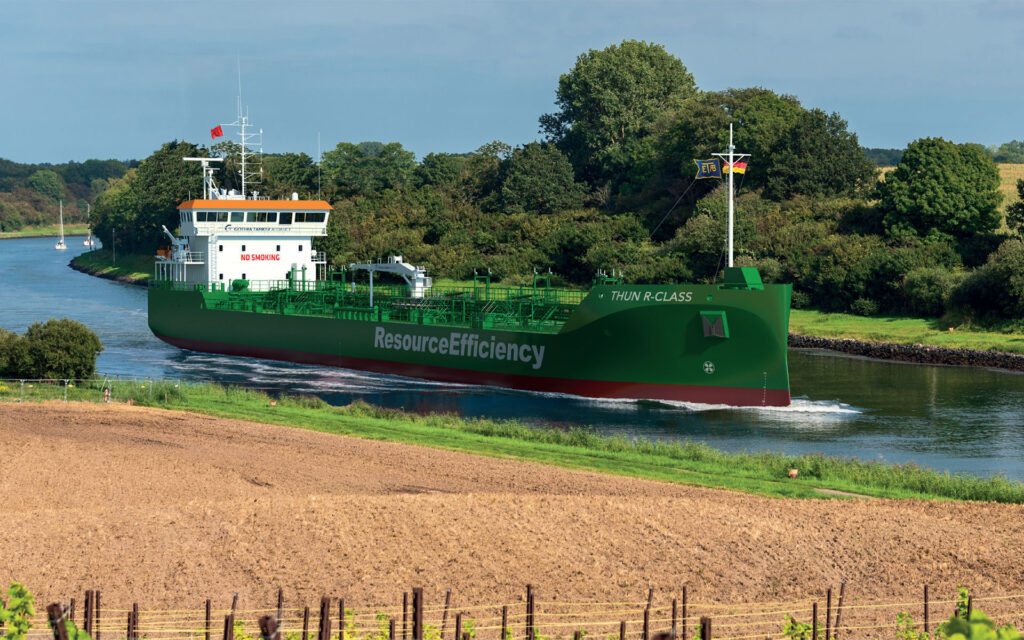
101,262
683,463
901,330
46,230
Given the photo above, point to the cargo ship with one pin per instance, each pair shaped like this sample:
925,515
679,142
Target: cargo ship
242,278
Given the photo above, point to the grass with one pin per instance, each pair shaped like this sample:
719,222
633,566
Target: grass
47,230
135,266
901,330
687,463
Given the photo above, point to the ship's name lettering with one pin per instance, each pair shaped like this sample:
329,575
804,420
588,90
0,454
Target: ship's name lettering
261,256
466,345
648,296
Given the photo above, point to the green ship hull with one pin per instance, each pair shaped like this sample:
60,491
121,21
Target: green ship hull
693,343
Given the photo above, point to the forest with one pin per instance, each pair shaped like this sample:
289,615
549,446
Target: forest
610,186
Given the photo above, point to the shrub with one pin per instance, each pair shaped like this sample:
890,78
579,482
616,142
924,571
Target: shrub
17,612
800,299
927,290
58,349
996,289
864,307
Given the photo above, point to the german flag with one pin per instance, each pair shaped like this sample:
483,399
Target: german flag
736,167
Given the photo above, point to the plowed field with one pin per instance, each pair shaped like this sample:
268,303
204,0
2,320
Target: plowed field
168,508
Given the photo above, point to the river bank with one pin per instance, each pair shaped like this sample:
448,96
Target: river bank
134,269
46,231
191,507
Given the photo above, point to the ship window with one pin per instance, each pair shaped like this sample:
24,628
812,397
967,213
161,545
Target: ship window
261,216
243,247
300,247
250,217
222,216
220,247
286,217
222,276
237,216
278,248
200,216
243,276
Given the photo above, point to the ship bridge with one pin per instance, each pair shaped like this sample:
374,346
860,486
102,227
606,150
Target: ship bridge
227,239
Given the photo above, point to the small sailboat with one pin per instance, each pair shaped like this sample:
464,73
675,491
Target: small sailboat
60,243
89,242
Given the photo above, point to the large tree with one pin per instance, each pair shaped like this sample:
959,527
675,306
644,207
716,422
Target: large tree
368,168
538,179
818,156
287,173
942,186
609,102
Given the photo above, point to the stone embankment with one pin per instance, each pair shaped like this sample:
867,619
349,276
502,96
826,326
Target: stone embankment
916,353
92,271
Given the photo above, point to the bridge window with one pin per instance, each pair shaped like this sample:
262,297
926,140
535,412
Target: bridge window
261,216
237,216
309,216
286,217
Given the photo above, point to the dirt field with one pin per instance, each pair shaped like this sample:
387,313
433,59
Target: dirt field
167,509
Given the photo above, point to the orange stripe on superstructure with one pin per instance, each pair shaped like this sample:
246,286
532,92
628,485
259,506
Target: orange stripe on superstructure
255,205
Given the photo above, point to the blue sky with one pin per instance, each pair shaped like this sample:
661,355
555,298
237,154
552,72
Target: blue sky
92,79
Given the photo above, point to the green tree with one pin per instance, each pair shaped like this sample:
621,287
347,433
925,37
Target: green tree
368,168
538,179
817,156
61,349
287,173
48,183
609,102
1012,151
13,354
440,169
161,183
941,186
1015,211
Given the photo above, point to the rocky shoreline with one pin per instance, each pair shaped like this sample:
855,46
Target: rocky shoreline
915,353
106,276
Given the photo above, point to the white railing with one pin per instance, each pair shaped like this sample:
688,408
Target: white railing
186,257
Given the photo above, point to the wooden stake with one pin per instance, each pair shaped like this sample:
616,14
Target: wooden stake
839,609
417,613
444,618
684,613
647,624
675,613
814,621
504,623
207,619
828,613
926,608
622,630
341,618
305,624
405,615
280,606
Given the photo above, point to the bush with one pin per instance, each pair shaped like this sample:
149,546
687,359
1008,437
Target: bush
864,307
800,300
927,290
996,289
61,349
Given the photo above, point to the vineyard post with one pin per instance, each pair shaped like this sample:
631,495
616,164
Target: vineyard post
675,614
684,612
280,606
325,619
56,615
417,613
647,624
135,621
229,627
305,624
529,612
268,628
839,609
926,608
705,628
341,618
970,602
444,617
405,616
128,632
458,626
391,629
96,613
828,613
234,604
577,635
622,630
504,623
87,613
650,596
814,621
207,619
71,612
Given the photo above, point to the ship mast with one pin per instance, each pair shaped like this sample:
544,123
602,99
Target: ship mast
251,159
732,157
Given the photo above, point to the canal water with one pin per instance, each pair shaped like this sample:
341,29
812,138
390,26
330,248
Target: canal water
948,418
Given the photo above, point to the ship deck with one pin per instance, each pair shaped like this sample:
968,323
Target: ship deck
531,309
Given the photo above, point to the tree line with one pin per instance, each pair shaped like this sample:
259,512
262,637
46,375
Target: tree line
610,185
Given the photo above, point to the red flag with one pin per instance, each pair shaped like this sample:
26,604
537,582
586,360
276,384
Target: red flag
216,132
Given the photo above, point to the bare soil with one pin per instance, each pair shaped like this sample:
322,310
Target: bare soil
167,509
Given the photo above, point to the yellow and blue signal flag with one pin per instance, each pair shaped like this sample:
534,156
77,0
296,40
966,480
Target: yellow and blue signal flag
708,169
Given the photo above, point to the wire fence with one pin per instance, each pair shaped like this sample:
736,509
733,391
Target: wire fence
662,616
